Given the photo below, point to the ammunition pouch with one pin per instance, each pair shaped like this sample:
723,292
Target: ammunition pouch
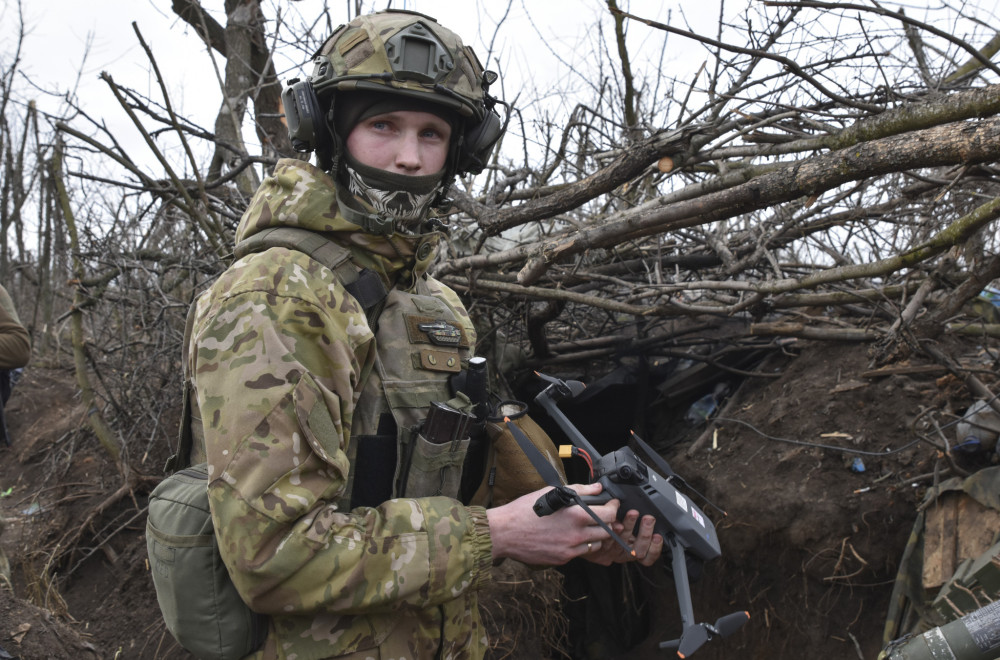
436,452
435,469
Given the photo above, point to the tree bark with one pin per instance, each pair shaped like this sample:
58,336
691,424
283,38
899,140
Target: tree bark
250,72
95,417
230,148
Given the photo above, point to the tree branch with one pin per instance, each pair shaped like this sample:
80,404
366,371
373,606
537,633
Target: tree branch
962,142
209,29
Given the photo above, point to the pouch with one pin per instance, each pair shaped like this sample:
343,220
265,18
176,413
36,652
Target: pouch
434,469
509,472
198,600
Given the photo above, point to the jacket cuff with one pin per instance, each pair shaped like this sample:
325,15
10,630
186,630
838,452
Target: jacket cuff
482,545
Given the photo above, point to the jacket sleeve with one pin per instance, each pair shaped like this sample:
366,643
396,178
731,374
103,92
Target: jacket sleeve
277,376
15,343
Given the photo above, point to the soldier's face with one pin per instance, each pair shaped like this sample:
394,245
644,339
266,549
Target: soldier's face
402,142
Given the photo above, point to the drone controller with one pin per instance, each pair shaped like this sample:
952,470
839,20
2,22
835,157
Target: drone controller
626,478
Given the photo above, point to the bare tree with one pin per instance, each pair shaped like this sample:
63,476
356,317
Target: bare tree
16,123
827,163
823,170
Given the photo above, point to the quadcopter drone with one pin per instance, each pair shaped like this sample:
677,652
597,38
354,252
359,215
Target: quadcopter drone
641,480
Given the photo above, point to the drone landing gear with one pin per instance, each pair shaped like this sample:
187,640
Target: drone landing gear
694,635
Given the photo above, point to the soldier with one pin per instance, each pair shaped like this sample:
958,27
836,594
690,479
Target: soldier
15,343
334,514
15,352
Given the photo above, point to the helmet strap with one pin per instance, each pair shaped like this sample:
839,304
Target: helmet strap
329,159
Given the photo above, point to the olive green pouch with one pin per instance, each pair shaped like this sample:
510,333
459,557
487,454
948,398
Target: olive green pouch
198,600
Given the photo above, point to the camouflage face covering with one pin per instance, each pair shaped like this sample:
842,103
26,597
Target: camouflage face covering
400,196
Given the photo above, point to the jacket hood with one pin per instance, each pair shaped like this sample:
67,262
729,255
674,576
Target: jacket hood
299,194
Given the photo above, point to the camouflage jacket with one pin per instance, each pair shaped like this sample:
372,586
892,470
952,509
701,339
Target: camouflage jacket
15,343
288,376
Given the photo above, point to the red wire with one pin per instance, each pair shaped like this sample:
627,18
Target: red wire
590,462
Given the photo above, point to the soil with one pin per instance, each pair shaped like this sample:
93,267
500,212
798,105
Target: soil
810,543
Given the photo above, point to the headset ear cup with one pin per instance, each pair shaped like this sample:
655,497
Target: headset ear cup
306,125
479,142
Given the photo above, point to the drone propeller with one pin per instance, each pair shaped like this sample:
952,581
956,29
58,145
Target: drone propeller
566,389
694,637
692,640
727,625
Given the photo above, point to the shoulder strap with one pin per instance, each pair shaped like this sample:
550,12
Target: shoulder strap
333,256
365,285
182,458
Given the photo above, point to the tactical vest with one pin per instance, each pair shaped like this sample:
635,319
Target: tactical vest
421,341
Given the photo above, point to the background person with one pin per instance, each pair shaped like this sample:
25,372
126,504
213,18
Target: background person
15,343
15,352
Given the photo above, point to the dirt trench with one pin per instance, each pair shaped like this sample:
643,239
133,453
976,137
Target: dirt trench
811,543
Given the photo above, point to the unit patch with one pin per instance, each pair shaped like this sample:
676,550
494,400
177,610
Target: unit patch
441,333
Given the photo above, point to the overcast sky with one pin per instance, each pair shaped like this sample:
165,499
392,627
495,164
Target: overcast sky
69,43
69,37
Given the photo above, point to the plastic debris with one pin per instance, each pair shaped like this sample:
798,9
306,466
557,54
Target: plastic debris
991,295
702,409
979,428
33,508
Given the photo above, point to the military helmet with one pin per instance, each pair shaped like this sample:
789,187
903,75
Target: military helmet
401,53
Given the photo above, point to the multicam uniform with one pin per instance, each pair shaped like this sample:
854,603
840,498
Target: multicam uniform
289,380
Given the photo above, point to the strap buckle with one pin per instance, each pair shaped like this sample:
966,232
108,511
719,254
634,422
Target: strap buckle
378,223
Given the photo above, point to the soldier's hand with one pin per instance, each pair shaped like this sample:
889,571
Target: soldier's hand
519,533
647,546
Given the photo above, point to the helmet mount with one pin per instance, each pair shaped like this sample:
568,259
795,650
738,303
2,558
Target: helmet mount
415,54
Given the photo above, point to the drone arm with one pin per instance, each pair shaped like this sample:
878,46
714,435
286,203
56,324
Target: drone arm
547,401
681,584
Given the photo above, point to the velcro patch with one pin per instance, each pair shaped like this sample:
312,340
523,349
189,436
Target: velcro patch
352,41
355,52
434,360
